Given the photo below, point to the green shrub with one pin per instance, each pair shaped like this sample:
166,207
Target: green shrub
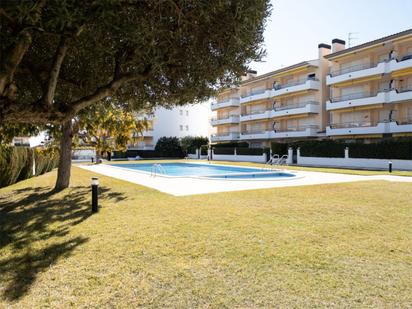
279,148
204,150
45,159
169,147
249,151
146,154
231,145
392,149
189,144
329,149
224,151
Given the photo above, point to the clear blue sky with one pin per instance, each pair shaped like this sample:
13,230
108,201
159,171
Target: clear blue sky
296,27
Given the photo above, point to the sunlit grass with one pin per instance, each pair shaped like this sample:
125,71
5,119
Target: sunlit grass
338,245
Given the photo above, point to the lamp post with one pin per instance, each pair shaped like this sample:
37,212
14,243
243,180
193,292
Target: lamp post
390,166
95,201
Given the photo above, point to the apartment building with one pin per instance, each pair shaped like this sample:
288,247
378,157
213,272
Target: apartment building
359,92
181,121
284,104
371,88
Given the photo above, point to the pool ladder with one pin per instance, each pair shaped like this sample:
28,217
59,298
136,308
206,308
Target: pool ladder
157,169
276,160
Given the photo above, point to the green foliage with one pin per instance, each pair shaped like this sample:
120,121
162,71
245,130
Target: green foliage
224,150
279,148
329,149
250,151
9,131
204,150
231,145
169,147
191,143
16,163
161,53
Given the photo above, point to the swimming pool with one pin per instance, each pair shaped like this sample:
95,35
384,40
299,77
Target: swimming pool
211,171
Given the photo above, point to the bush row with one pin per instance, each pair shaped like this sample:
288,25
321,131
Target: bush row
400,149
16,163
239,151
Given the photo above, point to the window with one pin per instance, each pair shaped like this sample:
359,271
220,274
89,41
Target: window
181,112
181,128
187,113
187,128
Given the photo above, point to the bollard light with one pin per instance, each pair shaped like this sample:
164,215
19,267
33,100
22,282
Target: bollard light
390,166
95,201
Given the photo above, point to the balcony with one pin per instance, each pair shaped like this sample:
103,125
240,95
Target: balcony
401,125
299,131
403,64
225,120
232,102
356,72
366,99
229,136
255,95
140,147
356,100
358,128
310,107
259,134
256,115
308,84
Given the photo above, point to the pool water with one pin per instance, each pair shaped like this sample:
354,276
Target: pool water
205,170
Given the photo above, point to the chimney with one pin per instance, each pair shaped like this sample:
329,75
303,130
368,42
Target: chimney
324,49
338,45
249,74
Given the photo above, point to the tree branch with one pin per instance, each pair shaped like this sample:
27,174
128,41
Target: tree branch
48,96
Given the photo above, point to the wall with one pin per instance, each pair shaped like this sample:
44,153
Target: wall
167,122
348,162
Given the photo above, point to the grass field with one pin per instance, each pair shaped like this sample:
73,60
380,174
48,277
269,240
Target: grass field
346,245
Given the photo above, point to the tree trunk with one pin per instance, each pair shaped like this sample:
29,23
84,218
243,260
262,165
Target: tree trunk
65,161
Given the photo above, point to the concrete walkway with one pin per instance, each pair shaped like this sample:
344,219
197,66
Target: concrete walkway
182,186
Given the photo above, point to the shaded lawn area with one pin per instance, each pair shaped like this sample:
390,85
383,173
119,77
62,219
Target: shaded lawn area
346,245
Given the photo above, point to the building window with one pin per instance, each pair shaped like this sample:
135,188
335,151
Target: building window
187,113
187,128
181,112
181,128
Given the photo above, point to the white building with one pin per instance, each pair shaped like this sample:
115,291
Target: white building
189,120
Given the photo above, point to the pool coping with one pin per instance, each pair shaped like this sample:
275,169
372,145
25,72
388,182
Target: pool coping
211,177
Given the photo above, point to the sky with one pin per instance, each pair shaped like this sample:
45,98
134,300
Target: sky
296,27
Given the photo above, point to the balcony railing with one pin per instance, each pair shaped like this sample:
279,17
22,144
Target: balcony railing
255,92
257,112
259,131
404,120
225,117
224,134
403,89
353,124
295,105
295,83
297,128
352,68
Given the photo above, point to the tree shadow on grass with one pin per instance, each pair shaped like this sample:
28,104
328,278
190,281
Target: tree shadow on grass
40,218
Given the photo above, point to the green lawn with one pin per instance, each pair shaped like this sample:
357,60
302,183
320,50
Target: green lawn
346,245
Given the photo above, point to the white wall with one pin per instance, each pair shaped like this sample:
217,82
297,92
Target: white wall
354,163
195,121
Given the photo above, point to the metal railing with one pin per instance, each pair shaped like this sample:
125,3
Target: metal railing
403,120
260,131
254,92
225,117
352,68
353,96
403,89
298,128
295,83
353,124
256,112
295,105
225,134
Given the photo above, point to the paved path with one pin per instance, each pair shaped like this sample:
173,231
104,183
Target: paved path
189,186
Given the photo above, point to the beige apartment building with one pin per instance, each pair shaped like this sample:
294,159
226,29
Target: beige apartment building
359,92
371,89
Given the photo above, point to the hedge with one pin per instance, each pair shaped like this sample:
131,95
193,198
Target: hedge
395,149
204,150
279,148
328,149
250,151
224,151
16,163
231,145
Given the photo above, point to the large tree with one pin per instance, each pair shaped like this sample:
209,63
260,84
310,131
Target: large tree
59,57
